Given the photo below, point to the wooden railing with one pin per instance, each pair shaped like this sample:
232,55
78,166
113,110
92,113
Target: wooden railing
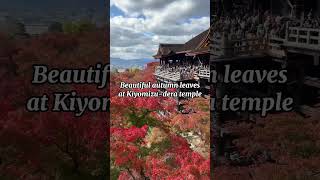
204,73
167,75
304,37
297,37
175,75
223,47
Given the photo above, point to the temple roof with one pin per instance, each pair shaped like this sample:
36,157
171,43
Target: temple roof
197,44
168,49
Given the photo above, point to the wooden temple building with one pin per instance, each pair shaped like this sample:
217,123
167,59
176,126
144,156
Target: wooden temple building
295,47
290,40
185,62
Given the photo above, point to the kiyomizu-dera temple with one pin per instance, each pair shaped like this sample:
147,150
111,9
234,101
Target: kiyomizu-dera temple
243,30
185,62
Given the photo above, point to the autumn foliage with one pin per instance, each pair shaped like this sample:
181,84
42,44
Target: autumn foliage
49,145
147,134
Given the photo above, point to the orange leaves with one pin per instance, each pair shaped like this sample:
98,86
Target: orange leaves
164,154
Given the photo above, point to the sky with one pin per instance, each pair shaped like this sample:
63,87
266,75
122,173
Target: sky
50,4
138,26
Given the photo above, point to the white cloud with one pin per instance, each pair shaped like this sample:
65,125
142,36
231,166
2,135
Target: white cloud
147,23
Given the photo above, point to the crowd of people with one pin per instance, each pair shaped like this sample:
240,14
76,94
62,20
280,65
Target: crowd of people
309,21
186,71
241,24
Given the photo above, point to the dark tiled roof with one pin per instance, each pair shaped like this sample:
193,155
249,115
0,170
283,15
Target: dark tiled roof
168,49
192,45
195,42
